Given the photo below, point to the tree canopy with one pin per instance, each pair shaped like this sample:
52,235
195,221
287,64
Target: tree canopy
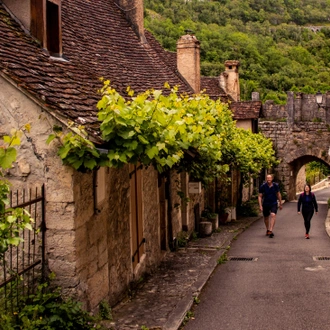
282,45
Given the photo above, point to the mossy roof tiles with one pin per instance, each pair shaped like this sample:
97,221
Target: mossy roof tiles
97,42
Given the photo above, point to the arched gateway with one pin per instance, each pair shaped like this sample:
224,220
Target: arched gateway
300,131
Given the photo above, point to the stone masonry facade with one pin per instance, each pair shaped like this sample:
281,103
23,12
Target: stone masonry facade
300,133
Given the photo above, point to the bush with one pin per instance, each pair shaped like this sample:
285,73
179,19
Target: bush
248,209
48,310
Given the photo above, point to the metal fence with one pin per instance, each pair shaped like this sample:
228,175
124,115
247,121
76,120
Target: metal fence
23,268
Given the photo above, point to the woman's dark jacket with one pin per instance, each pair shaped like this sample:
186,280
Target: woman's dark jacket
308,202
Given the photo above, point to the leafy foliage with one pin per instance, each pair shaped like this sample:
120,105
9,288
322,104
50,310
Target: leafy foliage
190,133
48,310
275,41
12,220
316,170
76,150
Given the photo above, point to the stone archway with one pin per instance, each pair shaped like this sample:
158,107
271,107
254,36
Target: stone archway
295,167
295,146
300,131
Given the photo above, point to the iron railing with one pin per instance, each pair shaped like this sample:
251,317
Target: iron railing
23,267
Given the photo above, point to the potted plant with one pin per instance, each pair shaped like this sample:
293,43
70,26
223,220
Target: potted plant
211,216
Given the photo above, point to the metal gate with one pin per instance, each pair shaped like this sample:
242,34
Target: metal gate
23,267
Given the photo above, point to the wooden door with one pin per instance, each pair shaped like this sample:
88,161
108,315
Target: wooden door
162,212
137,239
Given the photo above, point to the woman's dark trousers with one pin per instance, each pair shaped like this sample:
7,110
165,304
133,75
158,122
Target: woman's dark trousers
308,214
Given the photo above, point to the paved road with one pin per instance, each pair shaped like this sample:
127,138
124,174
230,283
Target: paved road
286,287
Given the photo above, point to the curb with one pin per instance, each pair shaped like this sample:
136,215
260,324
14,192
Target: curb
327,223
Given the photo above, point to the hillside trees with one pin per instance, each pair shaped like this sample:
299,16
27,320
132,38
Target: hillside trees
276,49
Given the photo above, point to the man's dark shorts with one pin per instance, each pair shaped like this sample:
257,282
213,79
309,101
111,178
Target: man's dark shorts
268,209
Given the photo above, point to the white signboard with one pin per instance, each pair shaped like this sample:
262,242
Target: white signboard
195,187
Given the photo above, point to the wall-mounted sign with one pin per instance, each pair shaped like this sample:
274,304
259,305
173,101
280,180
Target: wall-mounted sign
195,187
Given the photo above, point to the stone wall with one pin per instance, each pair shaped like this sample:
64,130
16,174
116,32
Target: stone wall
89,250
296,144
300,107
37,164
91,242
21,10
118,234
301,179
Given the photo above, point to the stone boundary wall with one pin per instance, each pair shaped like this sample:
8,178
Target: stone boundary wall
300,107
296,144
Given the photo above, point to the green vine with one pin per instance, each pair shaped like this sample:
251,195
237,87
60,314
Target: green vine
12,220
190,133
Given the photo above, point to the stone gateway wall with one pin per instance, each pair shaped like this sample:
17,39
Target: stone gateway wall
300,132
296,145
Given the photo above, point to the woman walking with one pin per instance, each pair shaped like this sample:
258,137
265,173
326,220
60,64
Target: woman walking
307,203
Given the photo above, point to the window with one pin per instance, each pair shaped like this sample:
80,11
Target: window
46,25
53,28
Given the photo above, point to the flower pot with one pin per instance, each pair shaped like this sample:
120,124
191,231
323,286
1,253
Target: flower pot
205,228
215,222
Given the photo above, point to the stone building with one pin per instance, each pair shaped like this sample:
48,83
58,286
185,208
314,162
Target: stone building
105,228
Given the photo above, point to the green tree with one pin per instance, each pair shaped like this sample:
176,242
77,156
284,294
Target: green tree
267,37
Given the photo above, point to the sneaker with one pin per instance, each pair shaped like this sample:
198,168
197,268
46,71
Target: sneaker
271,234
307,236
268,232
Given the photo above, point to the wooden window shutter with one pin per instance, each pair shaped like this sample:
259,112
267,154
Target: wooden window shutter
37,20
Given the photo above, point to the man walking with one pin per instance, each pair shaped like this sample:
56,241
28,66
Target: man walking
269,195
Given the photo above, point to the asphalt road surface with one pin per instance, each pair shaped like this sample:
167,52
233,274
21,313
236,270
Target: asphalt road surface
285,286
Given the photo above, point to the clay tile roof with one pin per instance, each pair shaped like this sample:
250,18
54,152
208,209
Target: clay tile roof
246,109
212,88
97,42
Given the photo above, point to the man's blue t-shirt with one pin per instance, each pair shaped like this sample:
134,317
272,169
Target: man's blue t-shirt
269,194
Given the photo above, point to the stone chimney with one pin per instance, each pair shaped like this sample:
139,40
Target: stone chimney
229,80
188,60
134,14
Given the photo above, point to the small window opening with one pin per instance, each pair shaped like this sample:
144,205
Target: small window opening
53,24
230,67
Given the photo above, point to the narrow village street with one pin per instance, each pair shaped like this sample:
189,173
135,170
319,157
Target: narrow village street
283,283
283,287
